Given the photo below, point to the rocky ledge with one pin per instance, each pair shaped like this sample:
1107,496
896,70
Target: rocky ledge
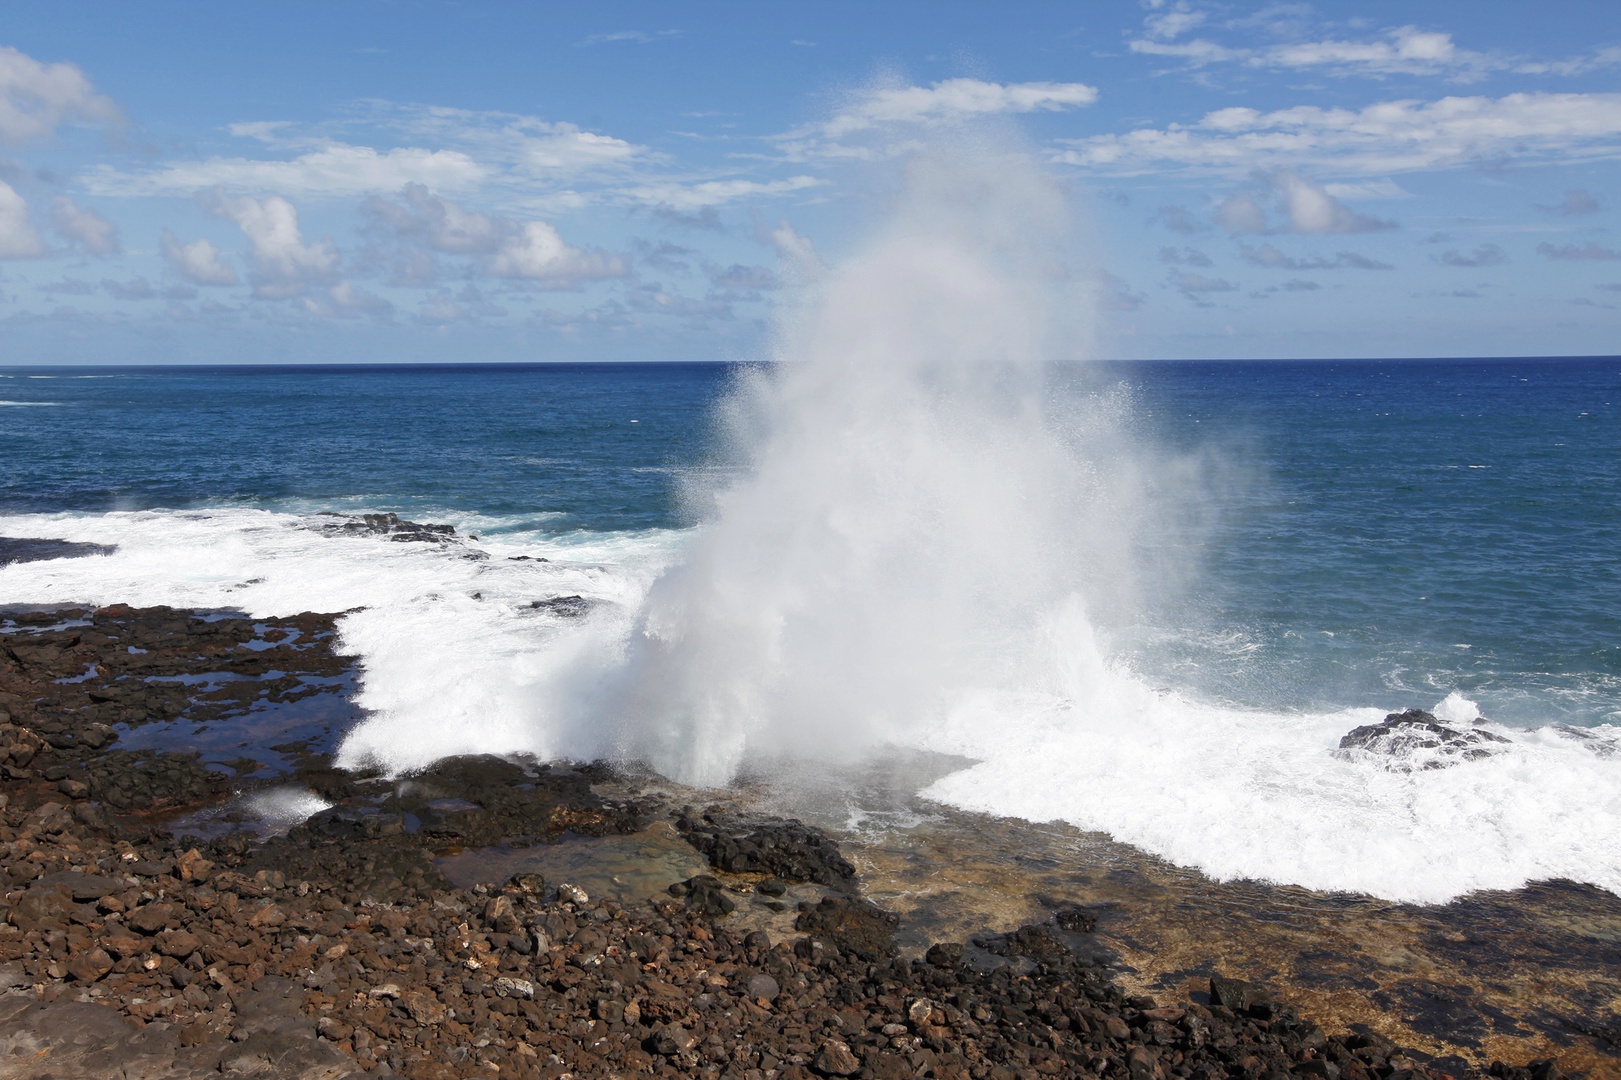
340,948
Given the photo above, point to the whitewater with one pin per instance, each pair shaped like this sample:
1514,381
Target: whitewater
907,535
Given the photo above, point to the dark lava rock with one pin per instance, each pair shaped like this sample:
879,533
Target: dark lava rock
27,549
564,607
1416,739
758,844
704,895
391,526
851,925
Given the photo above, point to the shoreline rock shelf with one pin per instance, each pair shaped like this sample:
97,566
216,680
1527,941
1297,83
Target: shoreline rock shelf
340,949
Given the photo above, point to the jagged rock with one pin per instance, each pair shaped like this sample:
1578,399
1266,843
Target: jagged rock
1416,739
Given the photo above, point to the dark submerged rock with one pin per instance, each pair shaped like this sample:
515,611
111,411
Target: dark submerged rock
29,549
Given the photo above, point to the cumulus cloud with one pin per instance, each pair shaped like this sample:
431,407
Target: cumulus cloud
86,229
283,266
535,252
198,262
36,98
1485,255
501,246
1285,202
1578,252
795,252
18,239
1270,257
1388,137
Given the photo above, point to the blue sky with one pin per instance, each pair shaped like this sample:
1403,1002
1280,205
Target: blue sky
401,180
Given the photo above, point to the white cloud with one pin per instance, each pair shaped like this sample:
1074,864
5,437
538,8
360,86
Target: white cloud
796,252
1302,206
437,223
1405,50
18,240
344,301
1173,23
1368,189
501,246
684,198
283,265
1388,137
535,252
199,262
1402,50
36,98
334,170
634,37
85,228
952,100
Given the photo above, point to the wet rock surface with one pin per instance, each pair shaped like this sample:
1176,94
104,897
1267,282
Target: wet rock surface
14,549
338,948
759,843
1415,739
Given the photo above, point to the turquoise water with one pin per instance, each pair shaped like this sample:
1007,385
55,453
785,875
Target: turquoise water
1378,532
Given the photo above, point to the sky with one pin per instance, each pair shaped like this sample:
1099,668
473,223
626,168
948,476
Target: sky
373,181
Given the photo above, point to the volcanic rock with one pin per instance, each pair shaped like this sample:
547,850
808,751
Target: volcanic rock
1415,739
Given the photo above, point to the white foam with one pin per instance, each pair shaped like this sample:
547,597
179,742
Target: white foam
450,650
285,806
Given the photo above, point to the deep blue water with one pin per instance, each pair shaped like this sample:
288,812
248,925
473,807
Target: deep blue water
593,445
1382,531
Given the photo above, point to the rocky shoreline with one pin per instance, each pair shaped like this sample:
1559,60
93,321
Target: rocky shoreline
341,946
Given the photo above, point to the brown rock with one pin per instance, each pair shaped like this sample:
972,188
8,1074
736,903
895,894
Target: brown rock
123,944
193,867
425,1008
89,966
834,1059
18,745
151,918
177,943
269,915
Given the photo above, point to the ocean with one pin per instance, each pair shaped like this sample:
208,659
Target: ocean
1144,599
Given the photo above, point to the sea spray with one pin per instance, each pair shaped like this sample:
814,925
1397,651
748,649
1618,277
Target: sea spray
914,500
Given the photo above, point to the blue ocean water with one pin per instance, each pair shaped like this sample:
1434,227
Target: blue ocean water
1381,532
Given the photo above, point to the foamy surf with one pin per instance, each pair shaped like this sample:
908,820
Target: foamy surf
1235,793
